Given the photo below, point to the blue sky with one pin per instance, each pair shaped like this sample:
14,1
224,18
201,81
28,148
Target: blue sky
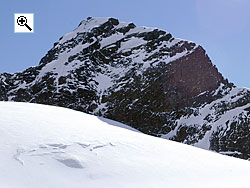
222,27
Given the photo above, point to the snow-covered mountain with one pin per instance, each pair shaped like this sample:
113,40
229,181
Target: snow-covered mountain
143,77
46,147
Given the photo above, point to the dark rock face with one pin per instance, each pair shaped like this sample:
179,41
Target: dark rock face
194,74
191,75
170,87
142,77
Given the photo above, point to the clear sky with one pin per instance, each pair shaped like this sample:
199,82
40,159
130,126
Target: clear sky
222,27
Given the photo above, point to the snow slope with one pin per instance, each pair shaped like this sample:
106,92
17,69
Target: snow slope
49,147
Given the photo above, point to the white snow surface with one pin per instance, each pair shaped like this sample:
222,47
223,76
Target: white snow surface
118,124
48,147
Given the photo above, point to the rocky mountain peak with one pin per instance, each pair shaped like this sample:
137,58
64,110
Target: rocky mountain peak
143,77
106,40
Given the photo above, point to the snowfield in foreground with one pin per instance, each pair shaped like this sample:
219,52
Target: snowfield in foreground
51,147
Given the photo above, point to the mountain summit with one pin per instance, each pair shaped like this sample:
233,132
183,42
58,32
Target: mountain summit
143,77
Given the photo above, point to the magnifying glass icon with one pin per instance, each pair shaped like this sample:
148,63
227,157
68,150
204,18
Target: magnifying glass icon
22,21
